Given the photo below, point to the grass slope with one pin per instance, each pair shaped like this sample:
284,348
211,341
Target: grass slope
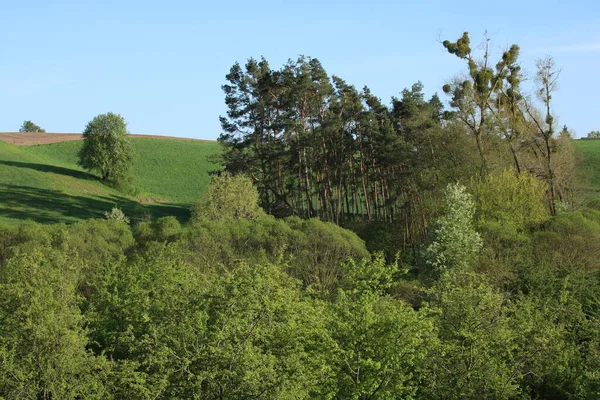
588,157
45,184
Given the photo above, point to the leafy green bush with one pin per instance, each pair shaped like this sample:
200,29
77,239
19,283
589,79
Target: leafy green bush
29,126
515,201
455,242
228,198
165,229
43,339
116,214
314,250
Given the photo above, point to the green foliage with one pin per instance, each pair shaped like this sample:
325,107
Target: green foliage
594,134
43,342
29,126
472,359
319,249
514,201
228,198
314,250
588,165
106,148
175,334
493,346
572,241
214,310
455,243
44,183
381,344
117,214
165,229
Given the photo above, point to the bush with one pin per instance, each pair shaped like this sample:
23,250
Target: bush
116,214
515,201
455,242
228,198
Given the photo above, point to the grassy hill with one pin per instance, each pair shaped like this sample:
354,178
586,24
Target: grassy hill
588,155
44,182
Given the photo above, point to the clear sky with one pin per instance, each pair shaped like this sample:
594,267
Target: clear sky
161,64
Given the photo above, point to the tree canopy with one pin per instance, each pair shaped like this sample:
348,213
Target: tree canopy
106,148
29,126
594,134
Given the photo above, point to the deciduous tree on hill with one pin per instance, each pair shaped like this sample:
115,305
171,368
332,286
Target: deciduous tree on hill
106,148
29,126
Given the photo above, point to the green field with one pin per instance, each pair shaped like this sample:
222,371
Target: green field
588,157
44,182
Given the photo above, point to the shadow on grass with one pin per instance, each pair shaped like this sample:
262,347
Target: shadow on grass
51,168
53,206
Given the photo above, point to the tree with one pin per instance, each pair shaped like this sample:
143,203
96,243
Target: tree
514,201
106,148
29,126
594,134
43,340
546,79
488,99
228,198
471,96
455,242
382,344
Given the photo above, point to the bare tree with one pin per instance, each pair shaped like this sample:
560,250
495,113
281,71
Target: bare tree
546,79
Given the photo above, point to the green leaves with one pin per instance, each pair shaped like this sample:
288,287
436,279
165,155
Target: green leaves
43,341
515,201
107,150
29,126
228,198
455,243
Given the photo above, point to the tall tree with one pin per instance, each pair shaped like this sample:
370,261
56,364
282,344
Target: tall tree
472,97
546,79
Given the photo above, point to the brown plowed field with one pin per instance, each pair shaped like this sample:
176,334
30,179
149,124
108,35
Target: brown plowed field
33,138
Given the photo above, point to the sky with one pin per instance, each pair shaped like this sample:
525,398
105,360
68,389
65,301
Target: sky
161,64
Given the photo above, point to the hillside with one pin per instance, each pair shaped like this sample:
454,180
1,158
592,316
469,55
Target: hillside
588,155
44,183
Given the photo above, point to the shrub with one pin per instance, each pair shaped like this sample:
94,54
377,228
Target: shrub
228,198
515,201
116,214
455,242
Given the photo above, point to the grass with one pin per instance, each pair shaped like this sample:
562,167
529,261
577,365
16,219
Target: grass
588,156
45,184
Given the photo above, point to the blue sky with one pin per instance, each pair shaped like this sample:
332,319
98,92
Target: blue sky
161,64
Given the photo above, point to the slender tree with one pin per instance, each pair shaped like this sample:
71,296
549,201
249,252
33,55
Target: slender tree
546,79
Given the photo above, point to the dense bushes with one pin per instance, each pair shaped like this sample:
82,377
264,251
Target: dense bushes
290,309
244,305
